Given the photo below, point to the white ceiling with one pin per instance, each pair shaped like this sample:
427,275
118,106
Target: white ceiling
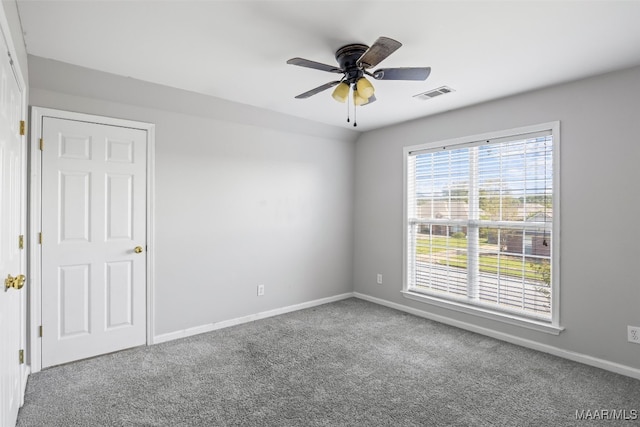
237,50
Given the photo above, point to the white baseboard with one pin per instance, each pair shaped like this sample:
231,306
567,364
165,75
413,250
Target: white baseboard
245,319
566,354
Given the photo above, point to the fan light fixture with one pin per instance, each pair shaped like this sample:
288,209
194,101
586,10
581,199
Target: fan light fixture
341,92
358,99
365,88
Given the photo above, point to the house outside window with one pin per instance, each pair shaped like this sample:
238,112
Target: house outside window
481,217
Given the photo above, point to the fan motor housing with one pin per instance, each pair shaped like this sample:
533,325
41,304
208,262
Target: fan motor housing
347,56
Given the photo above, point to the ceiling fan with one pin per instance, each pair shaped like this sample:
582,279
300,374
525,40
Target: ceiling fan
354,60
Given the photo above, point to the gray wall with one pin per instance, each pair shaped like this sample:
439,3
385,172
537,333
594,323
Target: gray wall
243,196
600,172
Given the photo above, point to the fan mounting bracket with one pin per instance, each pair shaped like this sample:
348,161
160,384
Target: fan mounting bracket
347,56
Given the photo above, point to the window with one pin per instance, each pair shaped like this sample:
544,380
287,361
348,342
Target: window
480,215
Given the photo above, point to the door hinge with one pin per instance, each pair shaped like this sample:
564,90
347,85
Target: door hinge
40,238
41,144
21,242
22,125
40,331
21,356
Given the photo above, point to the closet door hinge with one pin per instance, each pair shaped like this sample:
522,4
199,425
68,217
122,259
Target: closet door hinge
21,356
22,127
41,144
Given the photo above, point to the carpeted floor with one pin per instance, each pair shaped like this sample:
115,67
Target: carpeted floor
349,363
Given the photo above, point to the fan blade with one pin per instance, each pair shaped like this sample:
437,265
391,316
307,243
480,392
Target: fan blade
406,73
301,62
382,48
317,90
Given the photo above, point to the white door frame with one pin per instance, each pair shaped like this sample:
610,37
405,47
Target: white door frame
35,220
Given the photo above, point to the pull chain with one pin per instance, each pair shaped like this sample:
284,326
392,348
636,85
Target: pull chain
354,116
348,109
354,109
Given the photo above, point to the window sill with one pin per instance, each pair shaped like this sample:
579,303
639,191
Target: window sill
511,319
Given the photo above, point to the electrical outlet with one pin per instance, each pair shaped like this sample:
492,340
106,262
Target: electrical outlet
379,279
260,290
633,334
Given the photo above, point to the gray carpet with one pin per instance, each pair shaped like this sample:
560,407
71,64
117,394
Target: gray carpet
349,363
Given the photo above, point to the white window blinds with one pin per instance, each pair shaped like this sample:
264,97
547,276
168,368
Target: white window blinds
480,223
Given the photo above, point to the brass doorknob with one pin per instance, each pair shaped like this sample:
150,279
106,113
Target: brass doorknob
138,249
14,282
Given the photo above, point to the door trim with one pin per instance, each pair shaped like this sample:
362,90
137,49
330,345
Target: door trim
35,220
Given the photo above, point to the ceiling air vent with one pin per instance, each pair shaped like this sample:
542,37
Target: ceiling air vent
442,90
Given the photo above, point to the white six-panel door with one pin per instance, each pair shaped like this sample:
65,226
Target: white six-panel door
12,261
93,239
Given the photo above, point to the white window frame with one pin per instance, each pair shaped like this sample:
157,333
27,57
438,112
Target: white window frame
552,326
